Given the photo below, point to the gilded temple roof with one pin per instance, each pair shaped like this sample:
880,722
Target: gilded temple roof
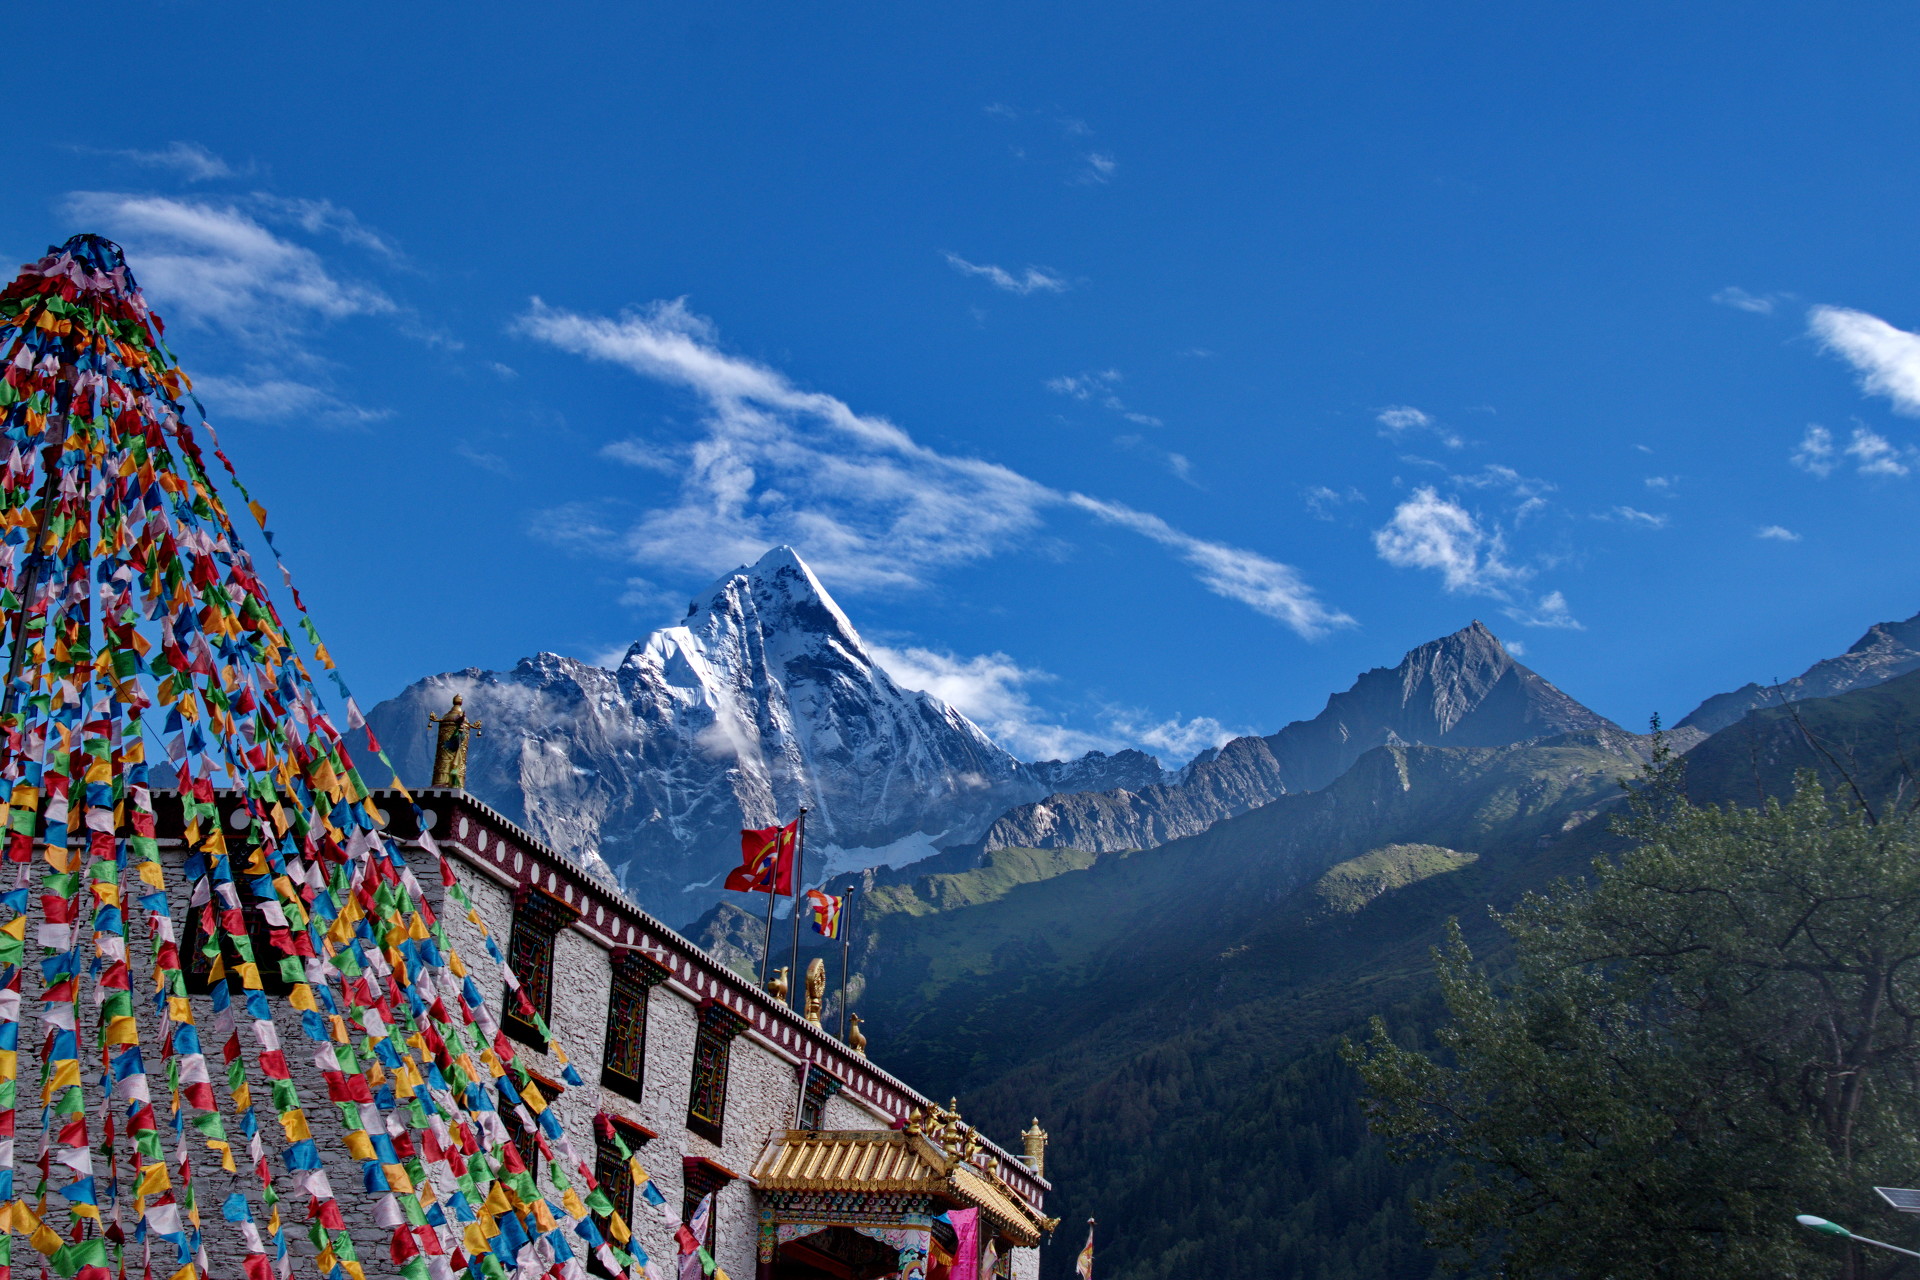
868,1160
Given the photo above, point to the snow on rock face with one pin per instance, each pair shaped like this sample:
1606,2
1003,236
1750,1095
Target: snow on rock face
761,700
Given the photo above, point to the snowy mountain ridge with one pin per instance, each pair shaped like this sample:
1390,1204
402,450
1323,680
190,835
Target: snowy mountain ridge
761,700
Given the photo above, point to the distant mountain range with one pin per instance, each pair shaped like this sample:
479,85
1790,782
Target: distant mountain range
1462,690
1887,650
761,700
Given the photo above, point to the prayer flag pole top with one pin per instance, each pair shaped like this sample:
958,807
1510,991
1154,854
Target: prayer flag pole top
135,620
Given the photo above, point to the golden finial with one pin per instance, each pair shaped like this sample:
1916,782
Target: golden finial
856,1039
1035,1141
816,989
777,988
450,745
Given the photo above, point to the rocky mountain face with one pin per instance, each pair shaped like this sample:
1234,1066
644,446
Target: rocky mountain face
1887,650
1464,690
763,699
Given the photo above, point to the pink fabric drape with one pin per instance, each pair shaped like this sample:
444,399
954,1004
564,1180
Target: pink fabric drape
966,1252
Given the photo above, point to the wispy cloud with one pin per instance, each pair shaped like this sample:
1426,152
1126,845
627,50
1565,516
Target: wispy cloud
1398,420
318,217
1870,453
1741,300
1099,387
993,691
214,264
1323,502
1100,167
1030,280
1429,531
1776,533
872,507
1644,519
990,690
190,160
1886,359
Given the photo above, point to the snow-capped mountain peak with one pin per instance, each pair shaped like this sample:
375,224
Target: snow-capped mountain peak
761,700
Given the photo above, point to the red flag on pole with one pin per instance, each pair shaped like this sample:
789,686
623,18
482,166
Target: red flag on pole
766,860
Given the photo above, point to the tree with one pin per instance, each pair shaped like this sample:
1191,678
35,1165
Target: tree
1715,1032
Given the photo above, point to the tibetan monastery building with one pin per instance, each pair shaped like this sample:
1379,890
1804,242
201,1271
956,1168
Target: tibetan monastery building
821,1165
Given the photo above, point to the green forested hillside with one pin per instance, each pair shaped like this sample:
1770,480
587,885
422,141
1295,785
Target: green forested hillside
1171,1015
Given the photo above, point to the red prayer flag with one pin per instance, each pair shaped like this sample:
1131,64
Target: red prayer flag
766,860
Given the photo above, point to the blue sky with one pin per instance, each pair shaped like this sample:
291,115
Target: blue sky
1132,374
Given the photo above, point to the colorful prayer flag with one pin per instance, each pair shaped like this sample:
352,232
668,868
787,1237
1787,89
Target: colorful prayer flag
766,860
1084,1267
826,912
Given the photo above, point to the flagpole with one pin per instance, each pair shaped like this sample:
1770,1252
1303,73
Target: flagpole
846,923
794,998
766,944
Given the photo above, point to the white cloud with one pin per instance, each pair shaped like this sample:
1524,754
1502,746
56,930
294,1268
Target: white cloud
1887,359
1099,387
1645,519
1032,280
1740,299
1872,454
870,506
643,454
1400,419
216,265
1777,533
1515,647
990,690
271,398
1549,610
190,160
1001,110
1429,532
1875,457
1816,454
318,216
1323,501
1662,482
1264,585
1100,167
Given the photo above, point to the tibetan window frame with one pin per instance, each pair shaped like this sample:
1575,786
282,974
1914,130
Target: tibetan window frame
821,1085
612,1174
623,1063
700,1178
197,965
538,919
707,1100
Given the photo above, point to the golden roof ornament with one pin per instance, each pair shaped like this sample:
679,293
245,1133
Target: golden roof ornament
856,1039
452,732
816,989
777,986
1035,1141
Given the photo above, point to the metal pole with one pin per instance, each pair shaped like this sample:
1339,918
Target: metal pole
846,923
795,1000
766,943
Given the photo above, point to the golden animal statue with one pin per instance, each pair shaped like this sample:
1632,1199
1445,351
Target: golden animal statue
453,731
777,988
816,989
856,1039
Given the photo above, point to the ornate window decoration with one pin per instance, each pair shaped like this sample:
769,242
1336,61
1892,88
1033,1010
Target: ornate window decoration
821,1085
707,1106
699,1178
623,1067
198,965
614,1175
538,918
